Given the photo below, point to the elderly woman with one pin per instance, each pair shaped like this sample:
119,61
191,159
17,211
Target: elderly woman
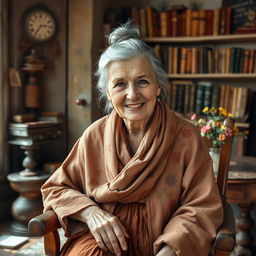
139,181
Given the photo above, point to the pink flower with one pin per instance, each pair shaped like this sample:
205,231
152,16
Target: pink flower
205,128
193,117
228,132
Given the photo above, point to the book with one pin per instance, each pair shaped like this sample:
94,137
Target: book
183,60
227,59
216,21
202,22
12,242
251,60
209,22
243,16
164,24
143,22
174,23
170,59
207,99
215,96
195,23
223,20
199,98
194,60
188,19
180,96
191,108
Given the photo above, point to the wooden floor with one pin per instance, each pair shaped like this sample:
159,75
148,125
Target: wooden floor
5,230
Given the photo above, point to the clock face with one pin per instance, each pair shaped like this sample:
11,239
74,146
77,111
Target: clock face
39,25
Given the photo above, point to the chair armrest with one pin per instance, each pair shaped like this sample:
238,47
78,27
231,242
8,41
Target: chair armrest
226,235
43,224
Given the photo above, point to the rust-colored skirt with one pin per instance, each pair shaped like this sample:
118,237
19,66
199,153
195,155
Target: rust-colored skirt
134,217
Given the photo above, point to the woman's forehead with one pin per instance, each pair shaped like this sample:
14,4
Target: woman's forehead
139,65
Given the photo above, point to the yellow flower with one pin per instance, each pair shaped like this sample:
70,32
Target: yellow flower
206,109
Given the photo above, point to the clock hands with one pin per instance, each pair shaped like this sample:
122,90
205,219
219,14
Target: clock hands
38,29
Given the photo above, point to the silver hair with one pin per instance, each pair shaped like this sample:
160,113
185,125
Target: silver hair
125,43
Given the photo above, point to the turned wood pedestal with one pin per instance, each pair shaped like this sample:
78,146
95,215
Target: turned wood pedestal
29,203
29,137
242,191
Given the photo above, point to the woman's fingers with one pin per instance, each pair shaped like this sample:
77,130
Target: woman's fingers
121,234
107,241
107,230
99,240
113,240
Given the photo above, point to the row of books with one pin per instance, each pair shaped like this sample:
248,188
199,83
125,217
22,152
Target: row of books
189,97
181,21
205,59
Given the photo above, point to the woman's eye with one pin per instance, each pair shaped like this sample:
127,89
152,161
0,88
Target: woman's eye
119,84
142,82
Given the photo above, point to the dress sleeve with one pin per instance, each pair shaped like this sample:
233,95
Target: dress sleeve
192,228
64,192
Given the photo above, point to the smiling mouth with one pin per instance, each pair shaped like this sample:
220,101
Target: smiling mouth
134,107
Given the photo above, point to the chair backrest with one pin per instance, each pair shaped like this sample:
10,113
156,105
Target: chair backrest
224,160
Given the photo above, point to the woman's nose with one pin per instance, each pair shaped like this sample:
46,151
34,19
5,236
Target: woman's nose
131,92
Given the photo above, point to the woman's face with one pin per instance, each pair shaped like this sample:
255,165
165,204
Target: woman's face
132,89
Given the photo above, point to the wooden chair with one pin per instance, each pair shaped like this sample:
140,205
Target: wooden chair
47,224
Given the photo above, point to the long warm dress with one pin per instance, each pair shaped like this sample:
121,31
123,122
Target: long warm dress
134,217
164,194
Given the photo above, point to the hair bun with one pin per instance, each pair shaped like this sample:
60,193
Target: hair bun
124,32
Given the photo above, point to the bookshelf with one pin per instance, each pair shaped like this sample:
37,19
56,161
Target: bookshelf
219,79
202,39
214,76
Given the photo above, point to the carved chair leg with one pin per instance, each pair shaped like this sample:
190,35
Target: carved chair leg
244,239
52,243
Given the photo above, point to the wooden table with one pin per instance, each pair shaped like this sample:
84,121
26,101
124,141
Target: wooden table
242,191
29,136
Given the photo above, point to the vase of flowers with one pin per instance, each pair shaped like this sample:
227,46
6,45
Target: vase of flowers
212,127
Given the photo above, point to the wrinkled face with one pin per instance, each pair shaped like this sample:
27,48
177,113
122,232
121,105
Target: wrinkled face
132,89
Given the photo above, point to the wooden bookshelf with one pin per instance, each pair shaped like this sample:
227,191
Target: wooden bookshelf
214,76
202,39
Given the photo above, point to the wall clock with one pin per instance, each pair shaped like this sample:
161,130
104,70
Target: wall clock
39,24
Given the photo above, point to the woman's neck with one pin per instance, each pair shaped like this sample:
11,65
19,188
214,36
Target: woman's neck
134,140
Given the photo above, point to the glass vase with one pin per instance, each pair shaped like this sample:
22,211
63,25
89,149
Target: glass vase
215,155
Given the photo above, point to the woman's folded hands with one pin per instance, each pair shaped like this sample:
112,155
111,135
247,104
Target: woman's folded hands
107,230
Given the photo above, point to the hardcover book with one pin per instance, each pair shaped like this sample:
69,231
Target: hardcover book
244,15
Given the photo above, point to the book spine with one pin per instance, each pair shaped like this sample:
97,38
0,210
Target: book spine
180,93
202,22
216,21
143,22
209,23
215,96
199,98
195,23
188,22
207,95
183,60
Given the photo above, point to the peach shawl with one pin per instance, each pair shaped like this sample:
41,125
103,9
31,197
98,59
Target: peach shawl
171,172
131,179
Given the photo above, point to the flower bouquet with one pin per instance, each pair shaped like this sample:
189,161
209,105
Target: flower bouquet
211,125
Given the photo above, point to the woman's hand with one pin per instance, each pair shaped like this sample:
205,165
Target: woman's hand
107,230
166,251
